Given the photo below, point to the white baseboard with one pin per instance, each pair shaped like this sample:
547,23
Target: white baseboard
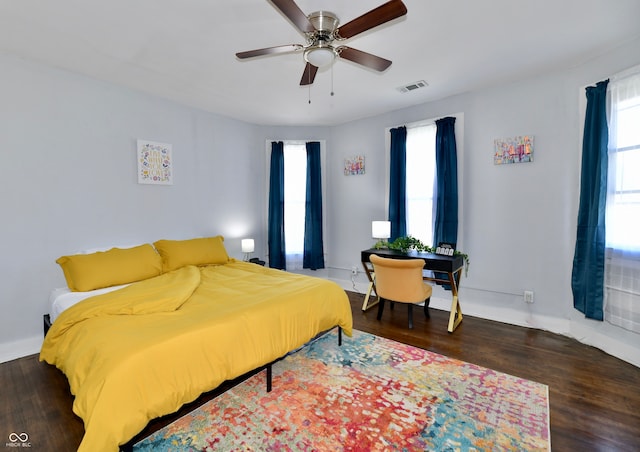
18,349
565,327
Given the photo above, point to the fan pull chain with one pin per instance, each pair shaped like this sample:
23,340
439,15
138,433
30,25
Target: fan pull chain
309,82
332,79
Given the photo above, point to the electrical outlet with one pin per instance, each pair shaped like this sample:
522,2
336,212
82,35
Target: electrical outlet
354,271
528,296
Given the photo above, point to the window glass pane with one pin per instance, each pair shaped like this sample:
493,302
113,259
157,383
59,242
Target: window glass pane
628,120
622,225
623,201
421,160
295,176
628,170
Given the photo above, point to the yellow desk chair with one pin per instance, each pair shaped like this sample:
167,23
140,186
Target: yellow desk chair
400,280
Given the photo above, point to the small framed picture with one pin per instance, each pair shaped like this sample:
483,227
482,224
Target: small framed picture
155,164
354,166
513,150
445,249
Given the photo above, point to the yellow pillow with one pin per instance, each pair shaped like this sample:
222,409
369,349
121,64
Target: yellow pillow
204,251
85,272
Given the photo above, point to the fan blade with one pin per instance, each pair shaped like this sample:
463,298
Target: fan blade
377,16
268,51
294,14
363,58
309,75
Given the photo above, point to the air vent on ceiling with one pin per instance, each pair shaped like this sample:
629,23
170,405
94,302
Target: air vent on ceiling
413,86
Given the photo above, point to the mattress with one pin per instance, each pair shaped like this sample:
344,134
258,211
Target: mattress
63,298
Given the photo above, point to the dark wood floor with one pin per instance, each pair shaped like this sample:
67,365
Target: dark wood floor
594,398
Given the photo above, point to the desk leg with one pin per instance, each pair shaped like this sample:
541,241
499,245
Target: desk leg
366,304
371,276
455,316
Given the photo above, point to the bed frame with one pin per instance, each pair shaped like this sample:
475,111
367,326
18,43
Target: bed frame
46,321
224,387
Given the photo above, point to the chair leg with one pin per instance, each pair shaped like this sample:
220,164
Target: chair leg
426,308
410,315
380,307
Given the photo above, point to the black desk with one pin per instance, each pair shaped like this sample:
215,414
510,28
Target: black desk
443,266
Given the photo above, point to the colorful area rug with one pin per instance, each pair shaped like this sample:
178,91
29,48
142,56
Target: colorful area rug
369,394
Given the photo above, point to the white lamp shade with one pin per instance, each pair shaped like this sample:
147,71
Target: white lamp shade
320,56
381,229
247,245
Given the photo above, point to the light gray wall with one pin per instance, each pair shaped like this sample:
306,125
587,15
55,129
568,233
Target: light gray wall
519,220
69,181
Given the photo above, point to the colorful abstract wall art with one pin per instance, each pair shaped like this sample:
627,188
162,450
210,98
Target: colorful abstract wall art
513,150
155,165
354,165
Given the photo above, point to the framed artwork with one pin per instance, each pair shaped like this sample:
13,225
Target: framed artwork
354,165
513,150
155,164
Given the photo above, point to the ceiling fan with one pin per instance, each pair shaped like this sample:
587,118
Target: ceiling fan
322,31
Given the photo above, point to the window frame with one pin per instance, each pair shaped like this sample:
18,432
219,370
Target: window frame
459,131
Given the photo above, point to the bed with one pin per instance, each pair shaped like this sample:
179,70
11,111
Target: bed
143,350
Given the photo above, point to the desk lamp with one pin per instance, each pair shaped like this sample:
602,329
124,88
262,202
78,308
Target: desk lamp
381,230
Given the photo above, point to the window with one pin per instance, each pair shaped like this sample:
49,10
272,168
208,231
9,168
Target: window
421,171
295,179
623,200
296,223
622,266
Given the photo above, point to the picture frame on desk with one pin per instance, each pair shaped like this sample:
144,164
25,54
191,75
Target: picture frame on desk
446,249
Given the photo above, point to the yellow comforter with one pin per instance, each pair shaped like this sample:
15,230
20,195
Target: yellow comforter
143,351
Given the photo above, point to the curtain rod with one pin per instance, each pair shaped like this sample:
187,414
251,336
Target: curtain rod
429,121
413,125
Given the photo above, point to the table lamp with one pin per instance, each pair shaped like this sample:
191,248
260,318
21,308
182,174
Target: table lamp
248,246
381,230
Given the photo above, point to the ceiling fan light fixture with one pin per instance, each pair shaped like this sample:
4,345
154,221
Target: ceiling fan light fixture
320,56
321,29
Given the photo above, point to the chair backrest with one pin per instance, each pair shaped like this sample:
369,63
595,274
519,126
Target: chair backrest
399,279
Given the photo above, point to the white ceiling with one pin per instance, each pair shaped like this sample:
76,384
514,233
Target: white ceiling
184,50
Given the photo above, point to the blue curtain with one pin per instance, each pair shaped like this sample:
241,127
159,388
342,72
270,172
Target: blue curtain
445,228
398,183
313,254
587,278
276,207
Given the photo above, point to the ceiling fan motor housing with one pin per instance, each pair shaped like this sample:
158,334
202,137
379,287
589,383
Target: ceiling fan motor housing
325,22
